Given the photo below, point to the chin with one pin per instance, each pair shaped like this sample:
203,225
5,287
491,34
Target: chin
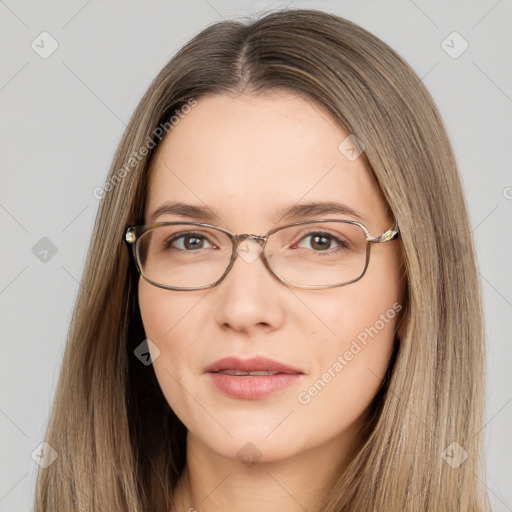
251,445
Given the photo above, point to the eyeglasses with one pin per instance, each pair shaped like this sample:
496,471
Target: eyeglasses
310,254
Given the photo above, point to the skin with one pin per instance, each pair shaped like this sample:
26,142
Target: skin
245,157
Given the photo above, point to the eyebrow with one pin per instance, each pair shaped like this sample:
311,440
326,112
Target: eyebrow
294,212
183,210
301,211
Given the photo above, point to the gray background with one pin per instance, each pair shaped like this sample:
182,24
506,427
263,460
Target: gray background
62,118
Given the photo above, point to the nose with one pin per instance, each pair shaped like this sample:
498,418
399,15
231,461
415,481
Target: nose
250,297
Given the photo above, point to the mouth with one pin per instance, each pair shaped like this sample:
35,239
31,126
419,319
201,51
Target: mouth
240,373
253,378
253,366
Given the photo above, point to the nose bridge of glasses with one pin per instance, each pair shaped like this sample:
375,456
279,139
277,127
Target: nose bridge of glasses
249,247
239,239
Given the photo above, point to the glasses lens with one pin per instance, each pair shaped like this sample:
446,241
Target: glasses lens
318,254
183,256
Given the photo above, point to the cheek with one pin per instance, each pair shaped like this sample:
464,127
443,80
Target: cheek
163,311
352,357
169,322
168,319
349,369
360,336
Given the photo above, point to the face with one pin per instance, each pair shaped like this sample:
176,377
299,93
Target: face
246,158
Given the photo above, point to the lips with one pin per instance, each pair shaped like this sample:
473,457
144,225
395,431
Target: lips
251,379
252,365
239,373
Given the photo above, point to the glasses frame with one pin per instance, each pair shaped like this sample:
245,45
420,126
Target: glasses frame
133,234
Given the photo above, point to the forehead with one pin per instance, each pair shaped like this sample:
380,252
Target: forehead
247,157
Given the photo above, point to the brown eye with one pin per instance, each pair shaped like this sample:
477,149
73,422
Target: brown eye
321,242
189,242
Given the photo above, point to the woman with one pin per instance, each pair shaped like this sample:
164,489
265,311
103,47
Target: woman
331,357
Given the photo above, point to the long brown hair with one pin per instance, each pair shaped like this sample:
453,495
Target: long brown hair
121,448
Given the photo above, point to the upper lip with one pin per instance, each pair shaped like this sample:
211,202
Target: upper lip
253,364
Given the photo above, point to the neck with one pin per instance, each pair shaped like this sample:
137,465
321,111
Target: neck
211,482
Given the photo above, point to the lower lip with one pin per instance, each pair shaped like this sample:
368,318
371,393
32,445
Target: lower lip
253,388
